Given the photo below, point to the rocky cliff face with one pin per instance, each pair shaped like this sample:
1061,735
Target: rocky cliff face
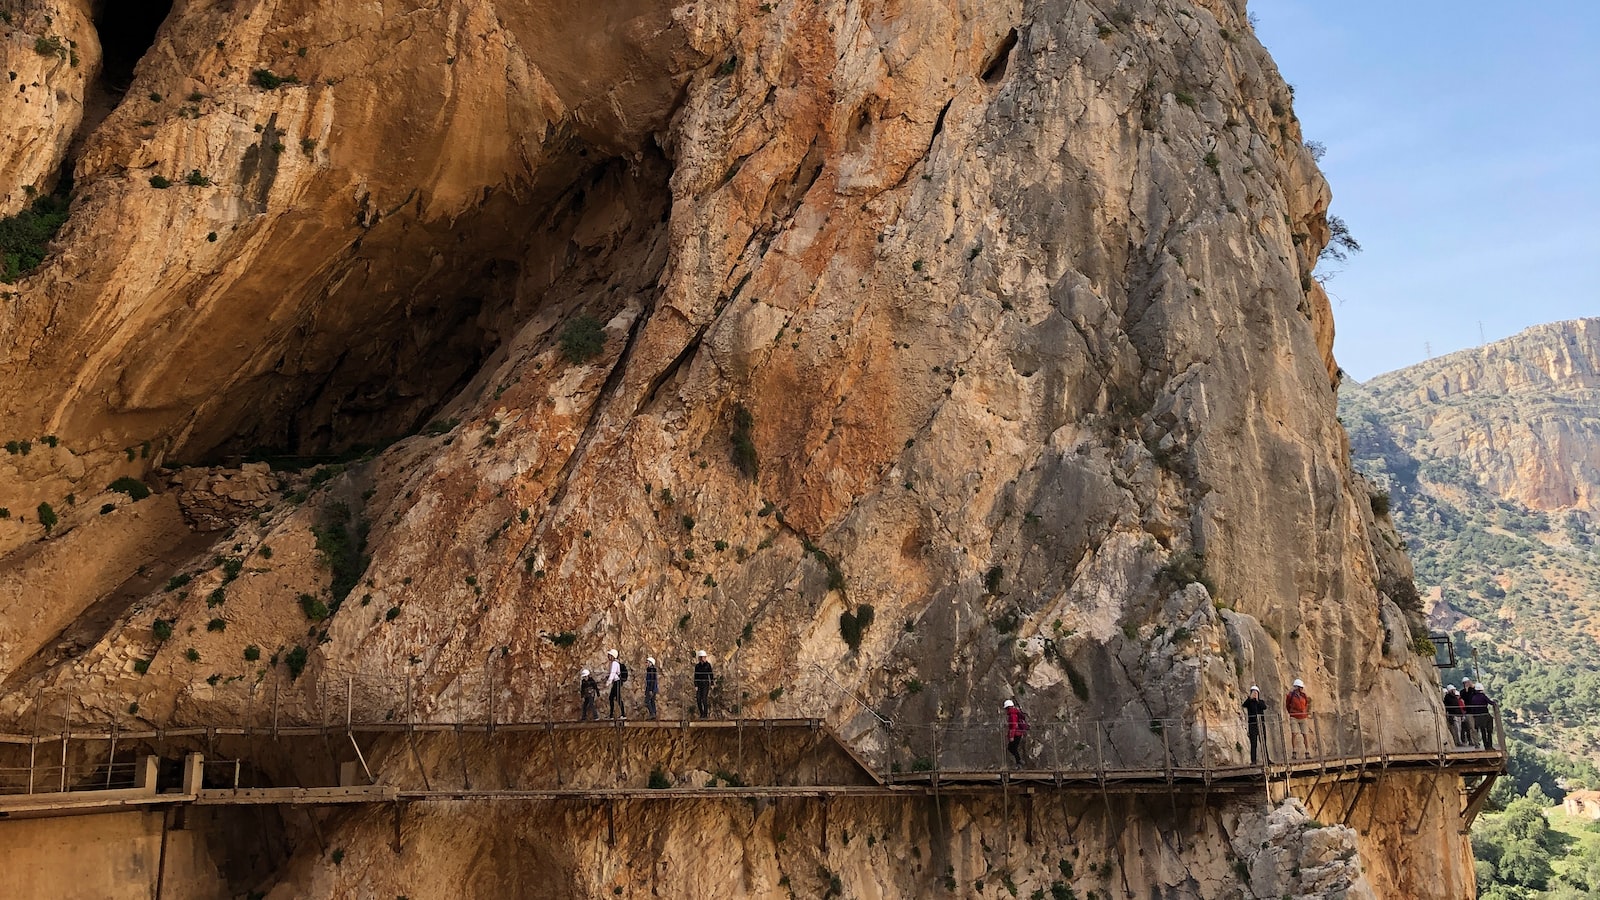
700,326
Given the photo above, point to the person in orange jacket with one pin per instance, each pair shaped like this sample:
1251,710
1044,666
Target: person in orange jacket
1298,706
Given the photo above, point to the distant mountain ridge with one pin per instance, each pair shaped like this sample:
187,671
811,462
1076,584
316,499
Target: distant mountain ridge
1523,413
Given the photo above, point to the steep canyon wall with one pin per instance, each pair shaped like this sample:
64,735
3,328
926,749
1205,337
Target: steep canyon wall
996,318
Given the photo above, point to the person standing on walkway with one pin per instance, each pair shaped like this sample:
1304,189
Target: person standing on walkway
652,686
1455,715
1255,715
589,690
703,679
614,681
1298,706
1016,730
1477,707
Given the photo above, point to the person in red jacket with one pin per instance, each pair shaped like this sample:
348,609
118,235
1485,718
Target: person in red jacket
1016,729
1298,706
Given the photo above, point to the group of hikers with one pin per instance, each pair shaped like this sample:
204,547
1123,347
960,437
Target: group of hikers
1468,714
617,675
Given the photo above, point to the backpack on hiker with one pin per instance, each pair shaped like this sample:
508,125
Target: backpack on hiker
622,671
1022,721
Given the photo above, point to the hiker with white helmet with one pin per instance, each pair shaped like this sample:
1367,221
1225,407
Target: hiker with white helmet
1298,706
1255,714
652,686
1016,730
614,680
589,690
1455,713
703,679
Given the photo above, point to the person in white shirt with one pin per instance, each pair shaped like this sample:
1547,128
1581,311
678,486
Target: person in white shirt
614,684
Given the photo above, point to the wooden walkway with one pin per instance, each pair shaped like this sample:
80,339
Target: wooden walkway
52,788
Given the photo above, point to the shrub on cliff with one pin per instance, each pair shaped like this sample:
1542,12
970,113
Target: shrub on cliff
266,80
24,236
582,339
296,661
133,487
852,626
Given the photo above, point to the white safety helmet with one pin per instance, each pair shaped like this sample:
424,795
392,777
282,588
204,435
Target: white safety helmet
1008,705
584,674
611,653
700,653
1299,683
1254,689
1451,688
650,659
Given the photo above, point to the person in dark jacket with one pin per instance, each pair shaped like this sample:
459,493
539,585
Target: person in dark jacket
652,685
704,677
1477,705
1455,715
589,690
1255,716
1016,729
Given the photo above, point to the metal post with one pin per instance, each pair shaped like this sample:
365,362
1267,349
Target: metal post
111,760
349,701
276,681
64,762
489,677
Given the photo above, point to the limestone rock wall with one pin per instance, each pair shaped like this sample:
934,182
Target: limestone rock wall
994,318
1518,414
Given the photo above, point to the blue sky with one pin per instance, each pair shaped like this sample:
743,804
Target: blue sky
1464,153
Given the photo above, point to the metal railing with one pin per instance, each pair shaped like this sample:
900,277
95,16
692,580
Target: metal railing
328,699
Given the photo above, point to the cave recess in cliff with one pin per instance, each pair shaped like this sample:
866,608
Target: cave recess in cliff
127,29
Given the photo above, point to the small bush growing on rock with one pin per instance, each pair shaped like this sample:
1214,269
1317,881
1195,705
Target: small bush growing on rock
5,513
564,639
49,46
314,608
177,581
47,517
392,614
161,629
160,182
266,80
659,780
852,626
1184,568
1402,590
23,239
252,653
1380,504
296,661
582,339
217,624
133,487
141,666
192,655
195,179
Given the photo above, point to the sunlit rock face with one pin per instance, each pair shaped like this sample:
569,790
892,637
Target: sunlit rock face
700,326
